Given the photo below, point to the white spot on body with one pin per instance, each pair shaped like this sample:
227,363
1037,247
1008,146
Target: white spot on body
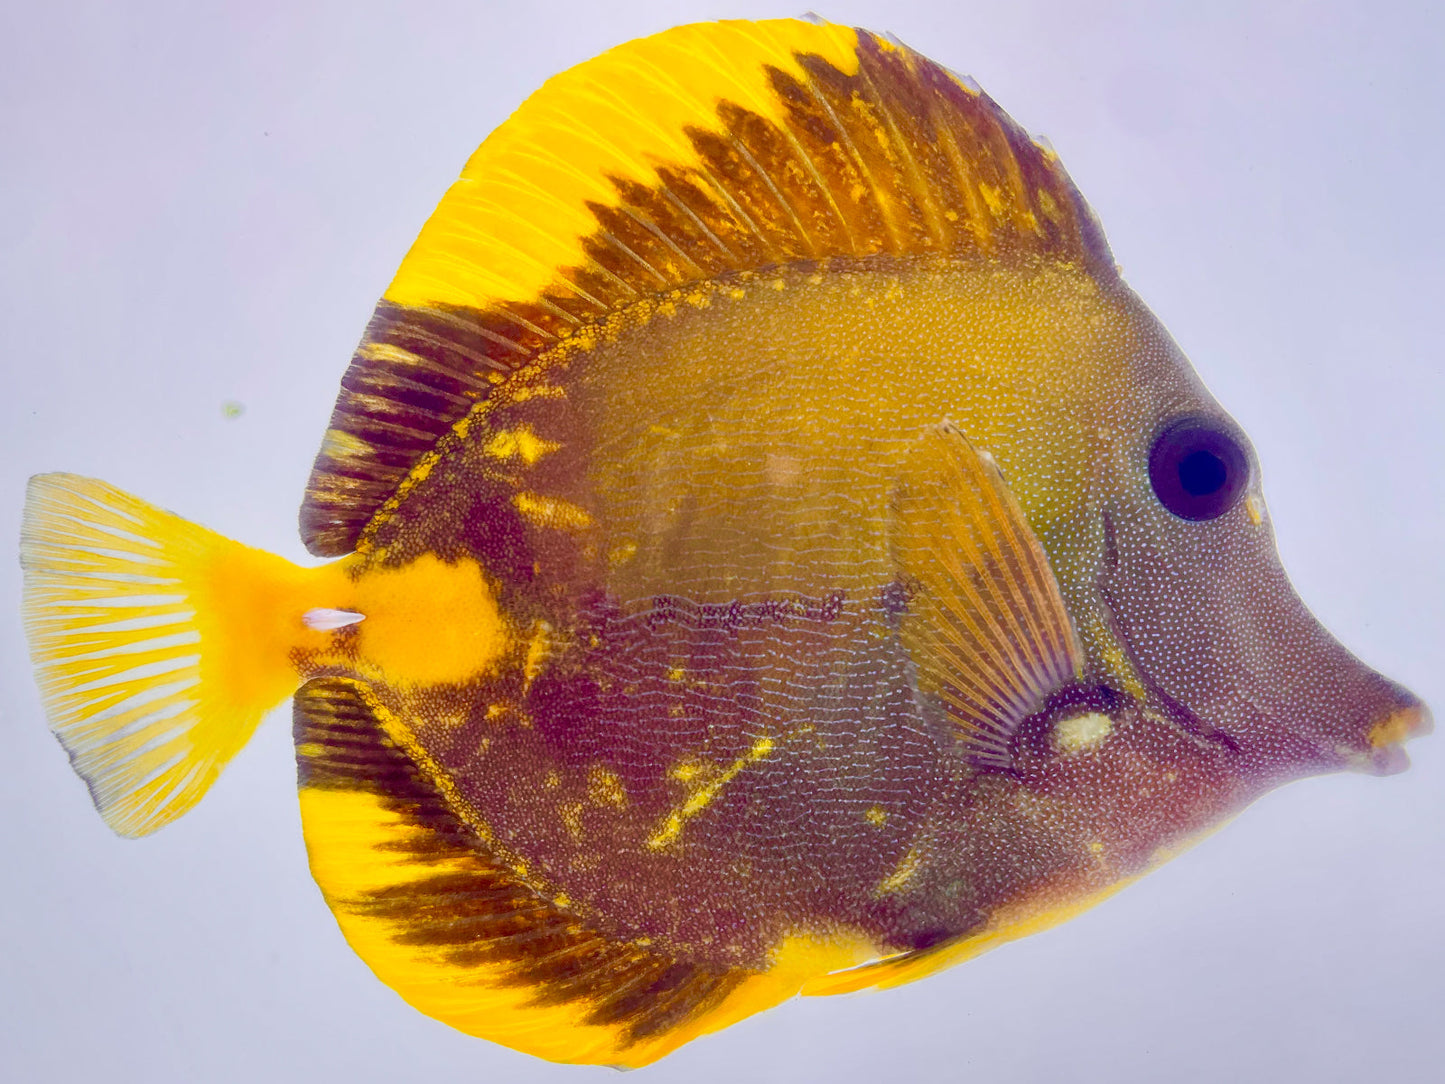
1082,733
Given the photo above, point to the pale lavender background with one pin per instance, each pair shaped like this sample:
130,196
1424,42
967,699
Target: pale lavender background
201,203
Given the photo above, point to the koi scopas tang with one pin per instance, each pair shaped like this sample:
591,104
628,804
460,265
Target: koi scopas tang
775,552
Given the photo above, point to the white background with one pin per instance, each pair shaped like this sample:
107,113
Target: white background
201,204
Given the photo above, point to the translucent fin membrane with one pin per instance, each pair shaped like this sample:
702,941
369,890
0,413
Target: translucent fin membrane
987,628
469,940
158,645
700,152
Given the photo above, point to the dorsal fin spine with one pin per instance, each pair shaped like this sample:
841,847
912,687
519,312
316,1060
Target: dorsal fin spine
707,150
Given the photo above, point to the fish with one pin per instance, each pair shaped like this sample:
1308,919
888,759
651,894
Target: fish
773,552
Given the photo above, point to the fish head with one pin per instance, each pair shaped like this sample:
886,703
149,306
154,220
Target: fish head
1194,609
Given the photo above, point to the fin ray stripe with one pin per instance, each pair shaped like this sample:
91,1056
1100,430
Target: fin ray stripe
422,899
987,631
153,668
706,150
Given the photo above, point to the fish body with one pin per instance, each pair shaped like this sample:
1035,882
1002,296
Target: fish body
775,551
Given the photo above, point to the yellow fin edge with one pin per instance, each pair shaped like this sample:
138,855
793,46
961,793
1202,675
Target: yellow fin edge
1008,924
518,213
353,837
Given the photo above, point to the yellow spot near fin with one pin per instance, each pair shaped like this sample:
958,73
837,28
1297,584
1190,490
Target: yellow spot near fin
699,799
520,444
551,512
1117,660
905,870
1082,733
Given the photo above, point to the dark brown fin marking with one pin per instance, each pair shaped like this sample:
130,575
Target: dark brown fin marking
899,158
473,916
986,626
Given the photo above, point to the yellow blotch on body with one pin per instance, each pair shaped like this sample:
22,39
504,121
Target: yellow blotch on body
700,798
904,872
686,771
571,814
428,622
520,443
551,512
538,648
604,787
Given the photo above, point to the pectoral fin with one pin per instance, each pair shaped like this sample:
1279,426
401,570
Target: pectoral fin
986,626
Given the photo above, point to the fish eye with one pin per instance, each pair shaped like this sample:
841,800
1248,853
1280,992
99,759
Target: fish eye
1197,469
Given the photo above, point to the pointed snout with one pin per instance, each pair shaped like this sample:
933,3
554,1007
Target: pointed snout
1387,736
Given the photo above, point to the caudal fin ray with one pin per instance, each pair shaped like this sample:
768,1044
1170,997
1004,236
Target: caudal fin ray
134,657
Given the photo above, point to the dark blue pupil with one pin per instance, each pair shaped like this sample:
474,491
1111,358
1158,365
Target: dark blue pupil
1198,469
1202,473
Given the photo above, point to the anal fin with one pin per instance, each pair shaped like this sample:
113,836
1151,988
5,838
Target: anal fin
463,937
1049,907
986,626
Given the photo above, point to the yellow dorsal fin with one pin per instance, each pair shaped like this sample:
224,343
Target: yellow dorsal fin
710,149
986,627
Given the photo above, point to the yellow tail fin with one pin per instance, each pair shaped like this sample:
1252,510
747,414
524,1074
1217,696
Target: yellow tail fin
158,645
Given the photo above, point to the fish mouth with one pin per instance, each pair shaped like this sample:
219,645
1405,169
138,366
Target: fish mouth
1312,736
1385,751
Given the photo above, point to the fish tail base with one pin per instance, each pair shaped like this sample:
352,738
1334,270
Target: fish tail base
158,645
